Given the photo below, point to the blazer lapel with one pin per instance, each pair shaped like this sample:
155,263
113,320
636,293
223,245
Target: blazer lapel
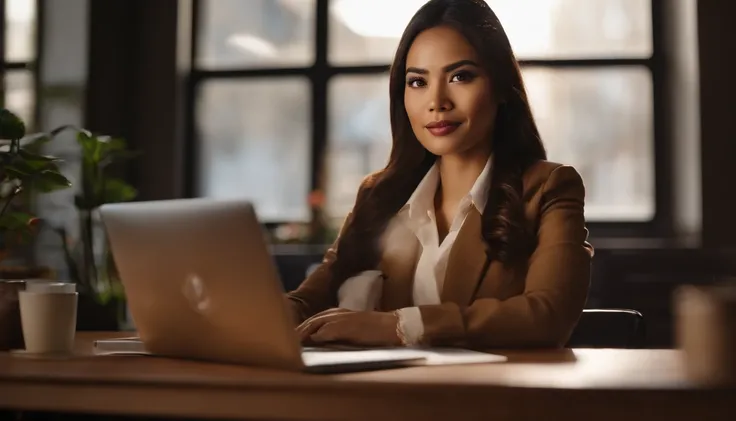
398,264
466,262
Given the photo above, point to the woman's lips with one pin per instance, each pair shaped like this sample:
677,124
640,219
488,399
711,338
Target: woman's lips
442,128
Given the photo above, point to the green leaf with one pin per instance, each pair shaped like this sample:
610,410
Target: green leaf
35,141
107,147
28,169
55,132
32,156
118,147
14,172
48,181
30,163
11,126
104,297
15,227
116,190
117,144
89,145
12,221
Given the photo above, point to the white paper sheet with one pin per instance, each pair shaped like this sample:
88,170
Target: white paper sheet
430,356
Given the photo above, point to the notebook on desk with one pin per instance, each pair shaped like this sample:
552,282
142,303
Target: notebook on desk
201,284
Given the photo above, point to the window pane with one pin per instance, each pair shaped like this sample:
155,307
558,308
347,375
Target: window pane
255,144
363,31
19,96
597,119
20,18
256,33
360,136
600,121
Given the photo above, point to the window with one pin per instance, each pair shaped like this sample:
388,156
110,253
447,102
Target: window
292,95
18,51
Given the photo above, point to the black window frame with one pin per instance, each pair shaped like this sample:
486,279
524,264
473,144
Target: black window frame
321,71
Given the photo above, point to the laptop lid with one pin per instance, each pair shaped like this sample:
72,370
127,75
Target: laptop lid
201,283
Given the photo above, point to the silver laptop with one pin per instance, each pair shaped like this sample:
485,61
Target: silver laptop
201,284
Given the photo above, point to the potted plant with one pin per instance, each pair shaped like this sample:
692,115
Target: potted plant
88,256
23,170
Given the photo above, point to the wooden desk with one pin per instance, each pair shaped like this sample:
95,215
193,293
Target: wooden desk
535,385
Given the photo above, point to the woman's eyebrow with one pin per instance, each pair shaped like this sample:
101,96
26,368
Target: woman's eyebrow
450,67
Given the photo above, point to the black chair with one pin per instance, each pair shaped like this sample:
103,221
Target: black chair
608,328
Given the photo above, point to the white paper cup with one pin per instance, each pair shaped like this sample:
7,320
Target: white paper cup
48,312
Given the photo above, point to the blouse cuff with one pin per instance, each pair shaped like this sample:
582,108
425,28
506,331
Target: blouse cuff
411,326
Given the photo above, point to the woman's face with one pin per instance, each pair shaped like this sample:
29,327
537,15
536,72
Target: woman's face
448,96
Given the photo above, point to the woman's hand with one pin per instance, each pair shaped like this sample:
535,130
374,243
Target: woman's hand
366,328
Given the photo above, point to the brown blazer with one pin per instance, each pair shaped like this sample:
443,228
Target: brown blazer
537,304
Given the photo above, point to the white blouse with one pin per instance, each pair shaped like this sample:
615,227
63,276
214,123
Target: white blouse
363,291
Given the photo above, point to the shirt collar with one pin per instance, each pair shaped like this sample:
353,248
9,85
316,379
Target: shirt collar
422,200
479,191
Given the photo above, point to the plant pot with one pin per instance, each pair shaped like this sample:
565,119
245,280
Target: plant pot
11,331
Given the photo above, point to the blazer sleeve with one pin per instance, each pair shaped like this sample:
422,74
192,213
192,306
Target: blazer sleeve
314,294
556,288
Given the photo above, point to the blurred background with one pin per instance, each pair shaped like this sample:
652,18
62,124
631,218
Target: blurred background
285,102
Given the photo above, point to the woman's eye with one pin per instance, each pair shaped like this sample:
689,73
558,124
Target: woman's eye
415,83
463,76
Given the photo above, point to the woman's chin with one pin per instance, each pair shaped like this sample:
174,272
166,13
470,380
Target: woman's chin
444,150
439,146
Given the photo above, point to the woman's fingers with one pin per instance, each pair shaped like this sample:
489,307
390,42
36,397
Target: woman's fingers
306,329
354,328
311,325
328,312
329,332
322,314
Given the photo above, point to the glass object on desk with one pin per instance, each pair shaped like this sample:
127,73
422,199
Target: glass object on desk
254,143
255,33
369,32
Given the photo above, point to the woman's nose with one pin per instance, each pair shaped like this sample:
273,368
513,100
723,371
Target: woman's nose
440,102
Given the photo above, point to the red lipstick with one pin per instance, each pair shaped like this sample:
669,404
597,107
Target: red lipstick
442,127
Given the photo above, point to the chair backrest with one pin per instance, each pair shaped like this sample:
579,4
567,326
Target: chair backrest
609,328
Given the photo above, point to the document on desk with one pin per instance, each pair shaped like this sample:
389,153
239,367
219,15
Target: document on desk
454,356
120,346
424,356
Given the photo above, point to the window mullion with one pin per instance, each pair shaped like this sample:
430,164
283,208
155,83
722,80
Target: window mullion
319,77
2,53
662,134
191,140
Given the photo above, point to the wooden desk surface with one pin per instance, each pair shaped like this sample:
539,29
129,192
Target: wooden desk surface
549,385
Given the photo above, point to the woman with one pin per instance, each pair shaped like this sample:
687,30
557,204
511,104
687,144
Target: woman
468,237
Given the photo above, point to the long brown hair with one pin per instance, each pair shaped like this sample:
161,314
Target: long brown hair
515,144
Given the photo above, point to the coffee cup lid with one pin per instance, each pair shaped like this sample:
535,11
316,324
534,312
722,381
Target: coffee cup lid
51,287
